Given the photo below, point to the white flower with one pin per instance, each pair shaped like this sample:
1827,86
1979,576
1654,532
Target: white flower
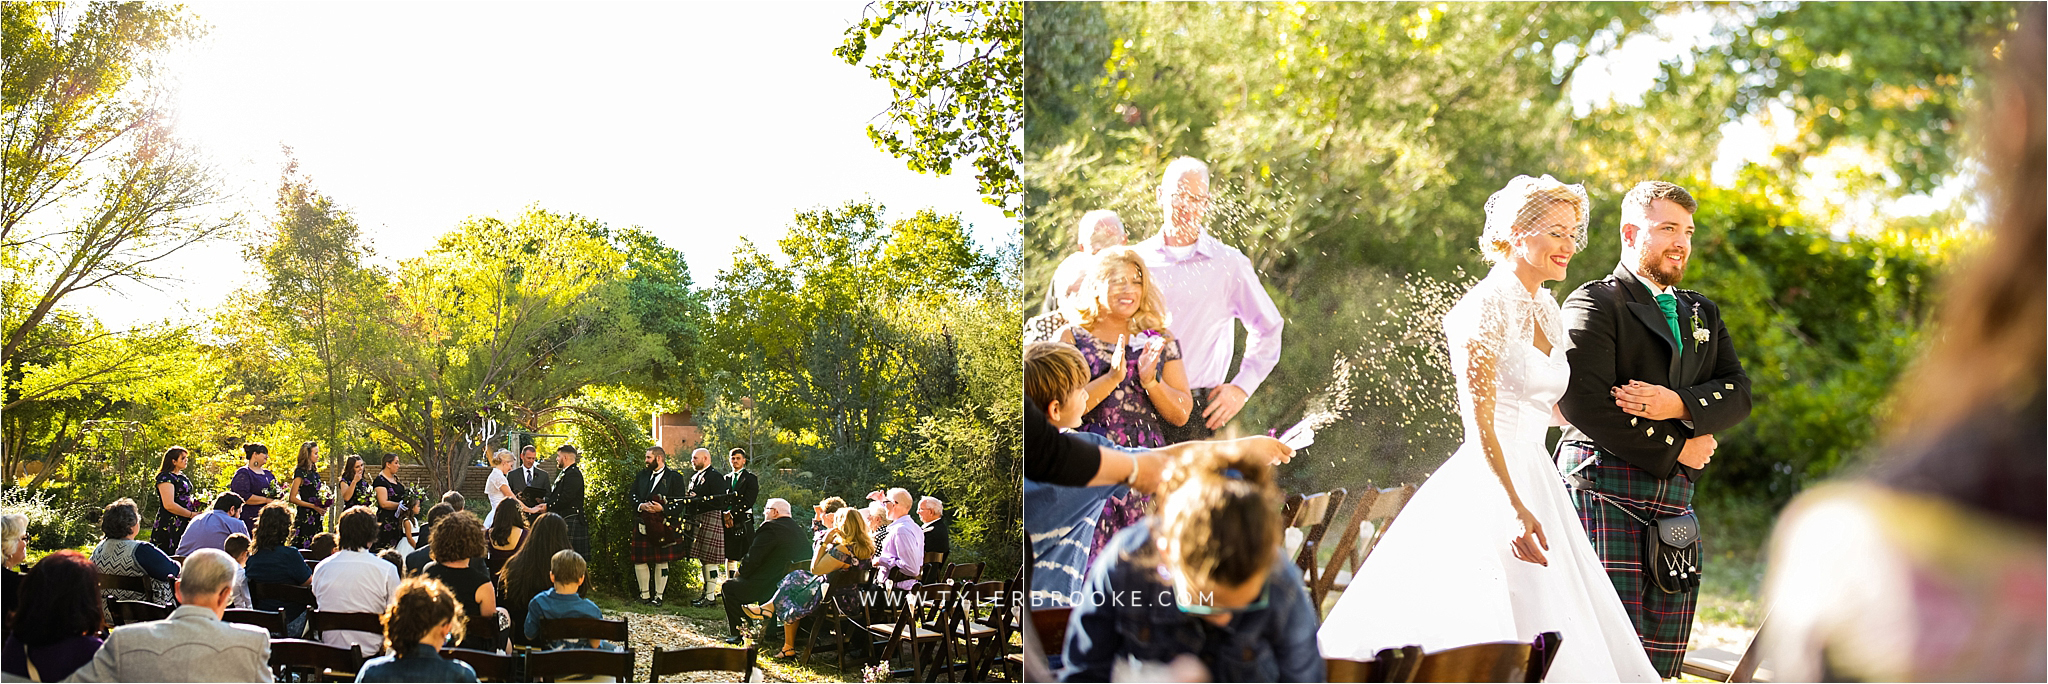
1700,335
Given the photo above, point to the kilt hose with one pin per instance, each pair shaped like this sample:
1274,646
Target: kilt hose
642,550
707,537
1663,621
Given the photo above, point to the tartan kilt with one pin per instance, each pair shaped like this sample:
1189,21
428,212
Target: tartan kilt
579,533
1663,621
642,550
707,536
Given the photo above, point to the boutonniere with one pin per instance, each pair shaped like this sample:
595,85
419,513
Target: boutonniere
1699,331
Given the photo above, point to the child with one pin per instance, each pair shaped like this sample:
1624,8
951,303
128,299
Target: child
1056,379
323,546
565,569
237,547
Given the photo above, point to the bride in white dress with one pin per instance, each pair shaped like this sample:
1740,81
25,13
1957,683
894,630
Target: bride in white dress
1490,548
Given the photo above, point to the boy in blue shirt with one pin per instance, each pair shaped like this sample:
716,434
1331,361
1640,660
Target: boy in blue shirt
566,569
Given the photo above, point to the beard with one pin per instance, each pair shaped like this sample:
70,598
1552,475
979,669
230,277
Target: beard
1656,269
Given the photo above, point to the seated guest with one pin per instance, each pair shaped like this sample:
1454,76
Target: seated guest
238,548
775,545
392,556
1205,577
353,581
847,548
878,521
902,552
822,517
566,571
276,562
193,644
937,535
419,558
62,592
454,499
508,529
526,573
120,554
458,541
323,544
417,623
14,548
211,529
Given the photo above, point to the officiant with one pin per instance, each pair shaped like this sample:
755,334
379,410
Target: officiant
528,480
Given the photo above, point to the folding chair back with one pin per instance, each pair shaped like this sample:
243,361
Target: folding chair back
270,620
490,667
548,666
578,629
1506,661
293,658
707,659
1389,665
964,573
130,612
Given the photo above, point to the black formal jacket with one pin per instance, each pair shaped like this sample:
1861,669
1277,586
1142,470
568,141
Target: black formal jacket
541,480
938,537
777,543
566,498
1617,334
645,488
706,491
746,489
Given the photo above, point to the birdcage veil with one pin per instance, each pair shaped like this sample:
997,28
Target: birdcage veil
1529,205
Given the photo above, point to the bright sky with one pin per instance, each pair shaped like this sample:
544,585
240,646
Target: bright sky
703,123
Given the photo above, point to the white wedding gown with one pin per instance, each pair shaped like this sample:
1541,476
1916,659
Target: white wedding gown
1444,575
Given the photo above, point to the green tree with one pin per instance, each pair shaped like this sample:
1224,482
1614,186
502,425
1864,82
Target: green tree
955,86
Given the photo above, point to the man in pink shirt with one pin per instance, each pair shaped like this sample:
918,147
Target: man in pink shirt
1209,285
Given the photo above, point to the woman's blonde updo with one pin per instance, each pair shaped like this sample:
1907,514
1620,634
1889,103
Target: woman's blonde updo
1528,205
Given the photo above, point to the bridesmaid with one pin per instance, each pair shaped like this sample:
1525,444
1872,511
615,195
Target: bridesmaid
352,485
304,493
394,525
256,484
176,505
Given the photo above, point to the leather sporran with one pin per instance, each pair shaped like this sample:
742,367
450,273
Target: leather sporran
1672,553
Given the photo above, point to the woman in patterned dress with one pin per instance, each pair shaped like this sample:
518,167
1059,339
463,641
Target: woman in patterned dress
1129,399
846,548
120,554
352,486
256,484
310,507
176,505
394,517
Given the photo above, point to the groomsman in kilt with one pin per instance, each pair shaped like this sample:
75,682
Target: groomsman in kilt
705,501
744,489
1654,376
566,499
653,546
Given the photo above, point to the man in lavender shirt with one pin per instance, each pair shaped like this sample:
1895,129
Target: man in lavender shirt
1207,285
903,552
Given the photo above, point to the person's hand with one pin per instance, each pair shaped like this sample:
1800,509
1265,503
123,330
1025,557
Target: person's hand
1148,363
1655,402
1224,403
655,506
1530,546
1271,449
1698,452
1116,360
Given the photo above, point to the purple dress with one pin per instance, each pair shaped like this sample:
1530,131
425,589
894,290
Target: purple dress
251,483
1128,418
170,528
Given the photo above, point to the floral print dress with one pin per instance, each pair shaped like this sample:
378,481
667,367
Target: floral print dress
801,591
307,522
1126,417
170,527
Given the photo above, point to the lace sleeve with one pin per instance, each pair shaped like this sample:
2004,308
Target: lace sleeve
1479,329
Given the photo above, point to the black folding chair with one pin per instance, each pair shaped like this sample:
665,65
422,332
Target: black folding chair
707,659
548,666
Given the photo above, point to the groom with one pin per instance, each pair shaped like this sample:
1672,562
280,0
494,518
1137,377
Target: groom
1653,377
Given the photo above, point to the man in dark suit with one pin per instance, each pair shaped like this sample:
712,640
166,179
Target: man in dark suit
779,542
938,538
1654,377
745,489
527,474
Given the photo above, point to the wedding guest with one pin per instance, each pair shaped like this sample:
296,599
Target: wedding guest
566,572
458,549
120,554
779,543
393,557
1929,564
821,516
526,574
902,556
1099,229
1207,285
193,644
745,488
276,562
14,550
212,528
1059,520
1207,578
352,484
877,514
63,593
238,547
454,499
305,494
323,546
497,487
255,482
424,554
508,530
937,537
394,507
422,615
355,581
175,505
845,550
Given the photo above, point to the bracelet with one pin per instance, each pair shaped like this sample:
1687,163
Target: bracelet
1133,478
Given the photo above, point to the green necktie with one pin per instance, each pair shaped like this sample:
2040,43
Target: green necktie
1669,305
